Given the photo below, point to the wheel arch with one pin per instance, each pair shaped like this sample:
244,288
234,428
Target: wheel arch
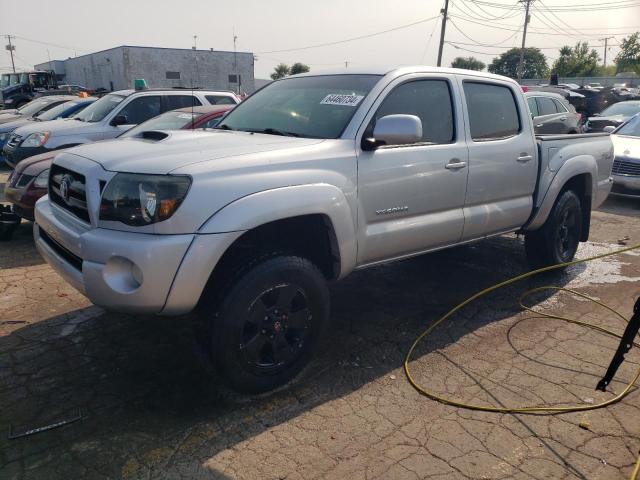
578,174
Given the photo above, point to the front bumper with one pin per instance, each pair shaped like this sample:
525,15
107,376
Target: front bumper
24,199
626,186
126,271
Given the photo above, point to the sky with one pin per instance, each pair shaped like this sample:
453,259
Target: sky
271,28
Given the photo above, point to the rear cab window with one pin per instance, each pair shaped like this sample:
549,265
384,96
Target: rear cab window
492,110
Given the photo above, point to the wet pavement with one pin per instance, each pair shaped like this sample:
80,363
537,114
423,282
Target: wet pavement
152,408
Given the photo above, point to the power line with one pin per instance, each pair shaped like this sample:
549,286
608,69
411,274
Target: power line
352,39
495,44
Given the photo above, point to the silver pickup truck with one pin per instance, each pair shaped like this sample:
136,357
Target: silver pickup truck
309,179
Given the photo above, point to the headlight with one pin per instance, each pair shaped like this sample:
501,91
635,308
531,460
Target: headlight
35,139
138,200
42,179
4,137
8,101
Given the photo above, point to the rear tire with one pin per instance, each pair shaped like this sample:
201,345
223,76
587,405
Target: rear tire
268,323
557,240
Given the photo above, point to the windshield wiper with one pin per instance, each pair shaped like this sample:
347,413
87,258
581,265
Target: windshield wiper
274,131
223,127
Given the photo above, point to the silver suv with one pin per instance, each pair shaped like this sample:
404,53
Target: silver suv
107,118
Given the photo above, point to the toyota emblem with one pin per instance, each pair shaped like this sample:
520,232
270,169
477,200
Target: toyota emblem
65,184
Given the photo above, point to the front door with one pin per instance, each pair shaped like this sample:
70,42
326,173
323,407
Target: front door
411,196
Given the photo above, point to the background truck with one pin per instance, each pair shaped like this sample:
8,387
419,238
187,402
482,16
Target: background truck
307,180
17,89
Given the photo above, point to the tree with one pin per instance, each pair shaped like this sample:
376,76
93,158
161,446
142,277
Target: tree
470,63
280,71
629,57
298,68
578,61
534,65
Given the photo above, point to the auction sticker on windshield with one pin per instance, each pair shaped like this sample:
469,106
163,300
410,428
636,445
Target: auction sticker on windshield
340,99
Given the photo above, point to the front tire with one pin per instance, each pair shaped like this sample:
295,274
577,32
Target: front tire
557,240
269,323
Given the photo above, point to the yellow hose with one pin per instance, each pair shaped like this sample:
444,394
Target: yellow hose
530,409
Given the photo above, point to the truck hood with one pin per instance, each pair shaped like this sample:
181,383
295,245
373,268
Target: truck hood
60,127
182,148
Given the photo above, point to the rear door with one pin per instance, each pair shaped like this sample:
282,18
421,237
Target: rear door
411,196
502,161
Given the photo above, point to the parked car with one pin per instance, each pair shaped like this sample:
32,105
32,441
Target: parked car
614,115
106,118
551,113
308,179
33,108
62,110
626,165
28,182
569,86
17,89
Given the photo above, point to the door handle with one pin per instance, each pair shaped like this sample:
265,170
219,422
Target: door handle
540,125
562,119
455,164
525,158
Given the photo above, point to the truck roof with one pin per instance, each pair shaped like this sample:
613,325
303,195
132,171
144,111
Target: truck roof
402,70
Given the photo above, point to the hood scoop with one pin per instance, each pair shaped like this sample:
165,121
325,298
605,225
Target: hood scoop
154,135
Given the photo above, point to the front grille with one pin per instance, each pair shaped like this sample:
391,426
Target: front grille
60,250
14,141
75,200
625,167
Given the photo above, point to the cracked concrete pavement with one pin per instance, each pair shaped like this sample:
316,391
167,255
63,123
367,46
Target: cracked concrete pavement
152,408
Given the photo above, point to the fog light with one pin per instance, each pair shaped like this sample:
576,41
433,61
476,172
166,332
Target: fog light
122,275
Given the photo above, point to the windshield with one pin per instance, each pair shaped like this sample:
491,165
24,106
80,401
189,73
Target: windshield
9,79
33,106
166,121
4,80
314,107
626,109
100,108
58,111
631,128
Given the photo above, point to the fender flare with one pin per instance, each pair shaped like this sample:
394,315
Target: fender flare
578,165
267,206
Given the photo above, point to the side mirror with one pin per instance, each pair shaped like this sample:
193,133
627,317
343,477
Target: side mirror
394,130
119,120
609,129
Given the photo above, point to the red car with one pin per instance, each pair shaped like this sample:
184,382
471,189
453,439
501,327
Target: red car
28,181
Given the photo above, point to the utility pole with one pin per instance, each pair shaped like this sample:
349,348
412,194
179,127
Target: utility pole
606,40
443,29
11,48
524,37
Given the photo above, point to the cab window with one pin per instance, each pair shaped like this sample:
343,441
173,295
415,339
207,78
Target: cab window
430,101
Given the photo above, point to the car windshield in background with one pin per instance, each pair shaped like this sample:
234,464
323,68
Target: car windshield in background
55,112
166,121
33,107
626,109
100,108
631,128
314,107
